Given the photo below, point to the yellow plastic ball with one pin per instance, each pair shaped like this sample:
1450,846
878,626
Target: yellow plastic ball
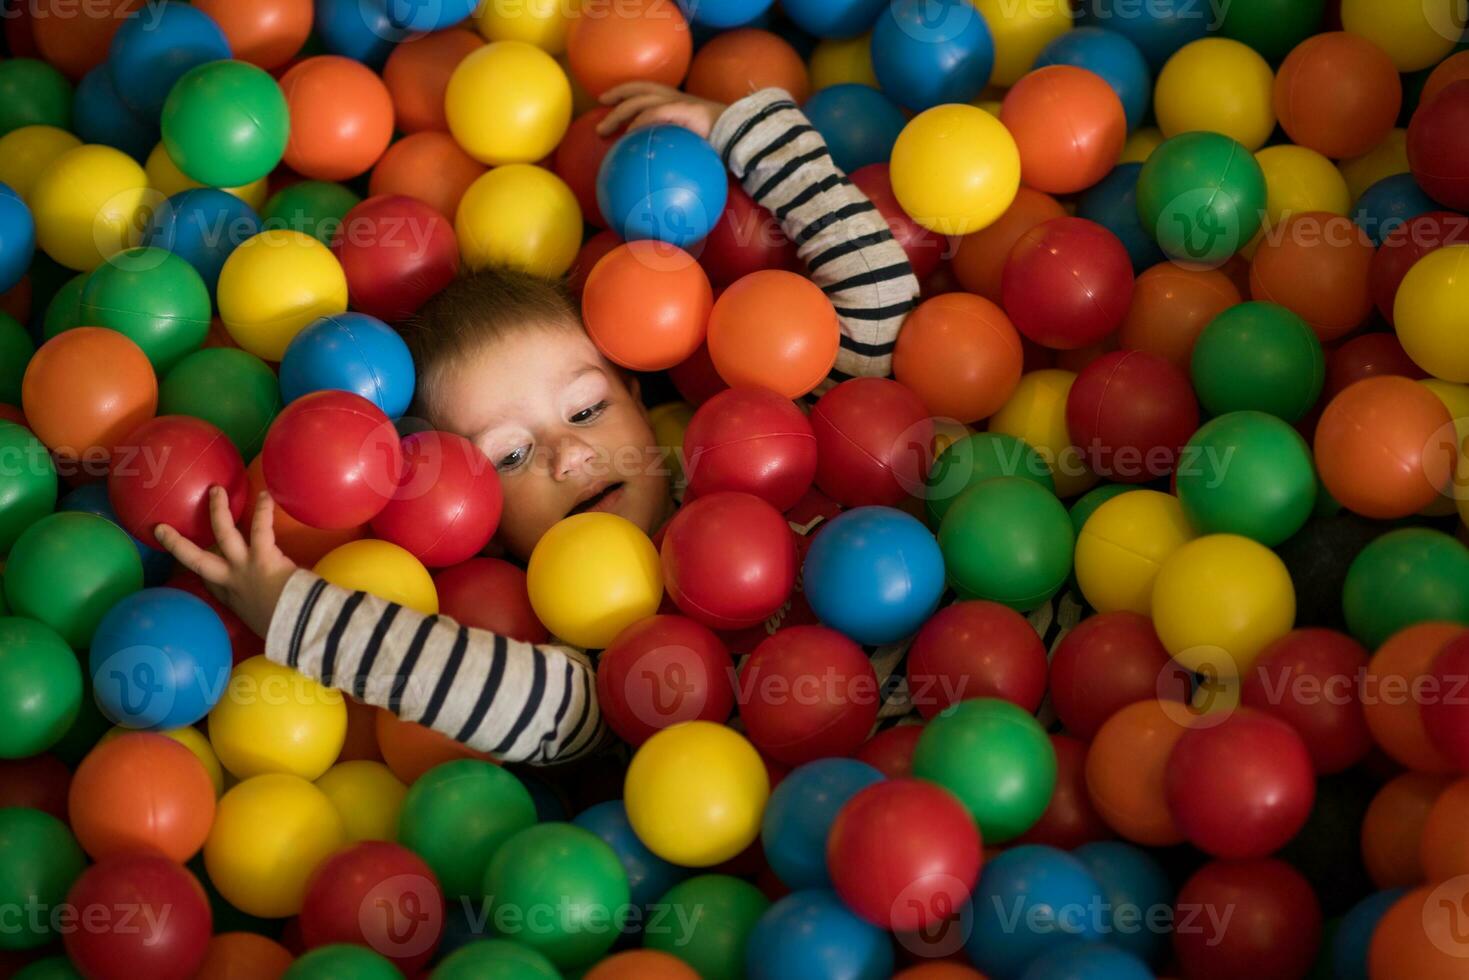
28,152
543,23
1036,414
955,169
383,569
520,216
1122,546
367,795
670,421
1218,85
166,178
1432,313
1219,600
591,576
1297,179
1020,32
1388,159
190,738
1414,33
89,204
508,102
842,61
1140,145
270,832
275,719
695,793
276,284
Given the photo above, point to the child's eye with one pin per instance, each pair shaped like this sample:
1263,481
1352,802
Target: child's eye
590,414
512,459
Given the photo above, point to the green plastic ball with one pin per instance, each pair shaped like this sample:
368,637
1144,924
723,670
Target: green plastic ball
39,860
457,815
32,93
1007,540
51,968
84,734
996,758
1272,27
495,959
1086,505
983,456
705,921
1258,357
231,389
64,312
40,687
342,962
1413,575
152,297
226,124
312,207
1247,473
27,482
1201,196
16,348
560,890
67,569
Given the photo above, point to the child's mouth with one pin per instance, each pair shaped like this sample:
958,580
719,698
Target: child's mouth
596,501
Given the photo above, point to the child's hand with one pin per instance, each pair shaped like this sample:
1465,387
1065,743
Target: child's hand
248,579
639,104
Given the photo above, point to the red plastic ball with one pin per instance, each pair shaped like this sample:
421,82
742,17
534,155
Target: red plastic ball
1068,283
750,440
925,248
890,751
376,894
1438,146
1107,662
1274,929
397,252
729,560
1240,787
976,649
244,644
490,594
166,911
745,239
1130,413
40,782
874,442
1367,356
646,305
448,501
662,671
579,157
332,460
341,117
904,854
696,379
161,474
592,251
1070,820
1309,679
1402,247
1446,716
807,693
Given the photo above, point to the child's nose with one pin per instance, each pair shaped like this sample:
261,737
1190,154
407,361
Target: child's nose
571,456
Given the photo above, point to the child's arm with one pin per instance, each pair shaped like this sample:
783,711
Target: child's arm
514,700
783,163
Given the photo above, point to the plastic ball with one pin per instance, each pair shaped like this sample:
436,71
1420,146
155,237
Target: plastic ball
796,728
648,876
1390,203
267,34
591,576
226,123
428,166
42,685
272,719
1392,829
396,253
1250,474
520,216
362,31
662,182
774,329
355,896
873,439
955,169
367,796
1130,412
1338,94
17,237
1124,544
276,284
746,239
332,459
341,959
269,834
1317,265
383,569
528,96
490,594
1008,540
750,440
27,152
1113,58
99,115
1069,819
976,649
860,125
67,570
1107,662
148,55
646,305
1443,855
1068,283
76,44
141,792
1088,962
485,956
156,890
28,490
154,298
1171,306
351,352
1202,195
230,953
662,671
303,544
189,456
1305,664
1126,766
448,503
649,40
417,74
1258,357
36,94
925,249
1427,311
1030,879
799,817
1399,251
810,931
1189,98
458,815
1064,155
341,117
873,573
92,498
841,60
41,860
1415,37
731,65
202,227
316,208
579,157
1296,180
929,57
1112,203
729,560
979,259
960,354
90,204
1405,577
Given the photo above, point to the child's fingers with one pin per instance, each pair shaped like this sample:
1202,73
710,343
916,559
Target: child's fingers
262,525
231,542
210,567
671,114
627,90
627,110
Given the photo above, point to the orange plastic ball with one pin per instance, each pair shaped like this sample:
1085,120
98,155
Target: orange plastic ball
641,964
1069,126
74,37
735,63
1421,937
1317,265
774,329
429,166
85,390
411,750
961,355
141,792
1444,849
341,117
1454,68
980,258
642,40
267,33
1392,829
1379,447
939,971
1392,691
1338,94
417,76
303,544
1171,306
360,745
244,956
646,305
1125,767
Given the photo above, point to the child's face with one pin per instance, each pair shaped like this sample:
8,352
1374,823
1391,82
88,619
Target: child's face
562,427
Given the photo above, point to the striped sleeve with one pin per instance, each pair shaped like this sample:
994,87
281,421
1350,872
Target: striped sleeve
847,246
517,701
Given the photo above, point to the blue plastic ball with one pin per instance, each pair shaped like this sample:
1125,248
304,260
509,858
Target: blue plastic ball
833,18
648,875
1389,204
17,238
664,183
1157,27
160,659
91,498
1112,56
1112,203
812,934
156,47
98,115
875,574
350,352
1090,962
800,813
1348,952
723,14
1029,901
429,15
859,123
358,29
1137,892
202,227
930,52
